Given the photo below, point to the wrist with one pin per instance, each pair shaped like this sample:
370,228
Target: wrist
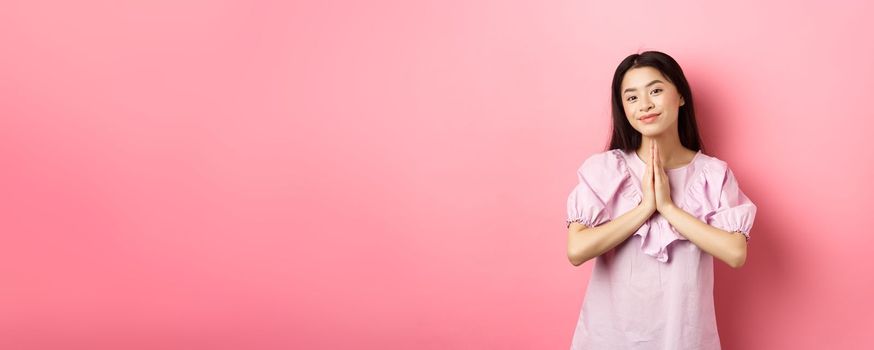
647,208
667,208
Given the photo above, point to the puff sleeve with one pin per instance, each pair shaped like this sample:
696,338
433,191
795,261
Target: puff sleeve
735,211
589,202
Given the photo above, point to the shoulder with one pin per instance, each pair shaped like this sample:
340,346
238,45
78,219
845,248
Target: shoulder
603,164
600,161
711,162
606,174
715,170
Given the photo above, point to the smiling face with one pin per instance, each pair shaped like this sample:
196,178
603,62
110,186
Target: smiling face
645,91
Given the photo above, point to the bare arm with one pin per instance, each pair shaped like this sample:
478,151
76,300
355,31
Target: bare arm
585,243
729,247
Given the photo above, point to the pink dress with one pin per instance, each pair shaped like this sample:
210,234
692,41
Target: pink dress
655,289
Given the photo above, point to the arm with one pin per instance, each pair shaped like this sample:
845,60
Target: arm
729,247
585,243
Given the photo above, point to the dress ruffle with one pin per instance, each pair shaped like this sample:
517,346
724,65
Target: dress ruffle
656,234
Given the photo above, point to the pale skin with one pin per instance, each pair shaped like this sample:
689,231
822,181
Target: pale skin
647,91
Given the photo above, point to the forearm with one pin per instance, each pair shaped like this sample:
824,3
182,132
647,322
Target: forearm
592,242
729,247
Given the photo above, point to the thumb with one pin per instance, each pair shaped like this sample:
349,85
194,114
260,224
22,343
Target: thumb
651,165
647,173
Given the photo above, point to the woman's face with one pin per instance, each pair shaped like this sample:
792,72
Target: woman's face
645,91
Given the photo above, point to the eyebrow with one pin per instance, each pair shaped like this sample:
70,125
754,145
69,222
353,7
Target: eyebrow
650,83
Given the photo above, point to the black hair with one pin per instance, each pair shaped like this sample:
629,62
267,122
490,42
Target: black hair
626,137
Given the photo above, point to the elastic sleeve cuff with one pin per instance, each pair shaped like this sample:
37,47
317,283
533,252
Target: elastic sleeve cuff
735,219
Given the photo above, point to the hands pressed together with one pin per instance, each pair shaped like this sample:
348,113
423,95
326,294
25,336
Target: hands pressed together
656,188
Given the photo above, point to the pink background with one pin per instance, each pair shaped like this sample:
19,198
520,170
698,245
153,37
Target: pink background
393,174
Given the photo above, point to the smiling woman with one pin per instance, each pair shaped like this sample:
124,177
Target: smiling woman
654,210
648,99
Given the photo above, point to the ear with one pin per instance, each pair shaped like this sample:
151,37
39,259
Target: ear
682,101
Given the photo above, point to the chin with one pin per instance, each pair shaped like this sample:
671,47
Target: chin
654,131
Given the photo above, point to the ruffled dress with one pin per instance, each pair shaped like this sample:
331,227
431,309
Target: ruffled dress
655,289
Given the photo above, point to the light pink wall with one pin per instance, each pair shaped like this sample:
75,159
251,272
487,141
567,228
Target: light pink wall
393,175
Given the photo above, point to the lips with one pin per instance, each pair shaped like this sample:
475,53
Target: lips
649,118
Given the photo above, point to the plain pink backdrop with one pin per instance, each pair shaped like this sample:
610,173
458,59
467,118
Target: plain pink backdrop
393,174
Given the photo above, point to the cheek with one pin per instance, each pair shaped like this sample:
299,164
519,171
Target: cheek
628,111
674,100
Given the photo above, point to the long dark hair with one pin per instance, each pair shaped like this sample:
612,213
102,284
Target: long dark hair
624,136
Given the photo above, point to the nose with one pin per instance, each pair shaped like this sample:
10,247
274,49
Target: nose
646,105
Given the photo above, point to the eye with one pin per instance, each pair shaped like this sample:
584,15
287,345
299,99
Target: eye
630,97
656,89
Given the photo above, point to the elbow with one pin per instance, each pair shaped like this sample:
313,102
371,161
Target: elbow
576,260
738,254
736,264
578,245
577,255
738,260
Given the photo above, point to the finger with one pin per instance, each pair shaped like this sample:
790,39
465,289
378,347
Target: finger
649,175
651,150
651,153
645,176
649,170
646,171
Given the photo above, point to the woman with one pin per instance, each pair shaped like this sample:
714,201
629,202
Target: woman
654,210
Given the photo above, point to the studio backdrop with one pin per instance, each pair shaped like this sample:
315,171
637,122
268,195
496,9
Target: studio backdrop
394,174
